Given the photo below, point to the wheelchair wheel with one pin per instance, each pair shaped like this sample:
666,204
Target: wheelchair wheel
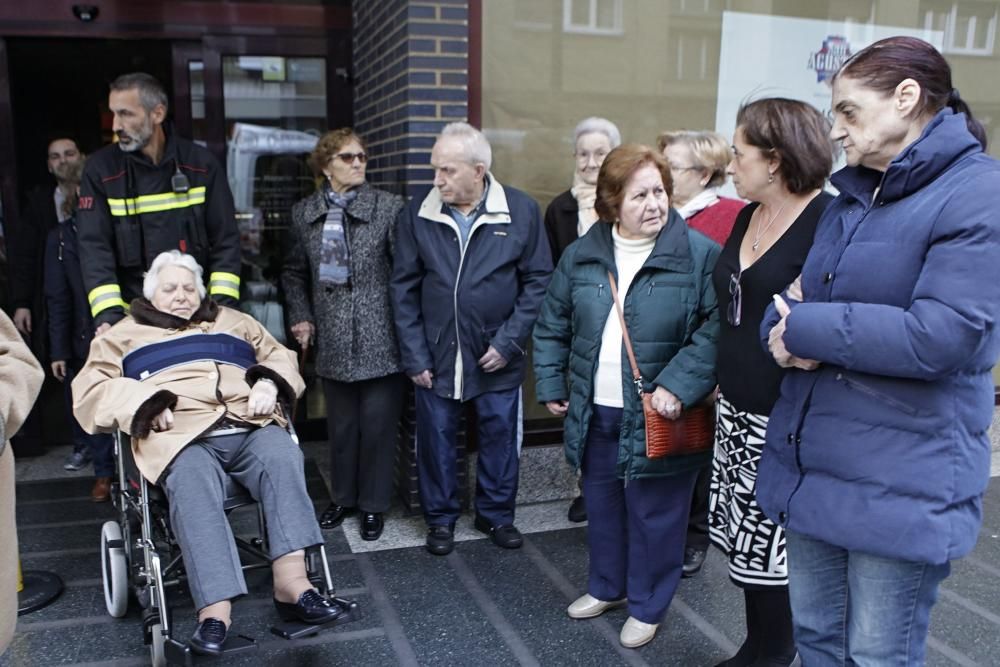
157,650
114,569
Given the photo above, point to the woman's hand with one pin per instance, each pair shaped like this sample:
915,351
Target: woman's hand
666,403
263,398
163,421
794,291
776,344
558,408
304,332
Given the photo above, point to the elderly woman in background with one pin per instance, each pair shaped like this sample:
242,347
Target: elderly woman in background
782,157
698,161
193,422
571,214
637,506
336,280
878,448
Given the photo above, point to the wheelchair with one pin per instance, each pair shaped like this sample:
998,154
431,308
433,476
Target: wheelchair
140,558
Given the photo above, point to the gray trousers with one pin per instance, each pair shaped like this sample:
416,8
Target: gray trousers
269,465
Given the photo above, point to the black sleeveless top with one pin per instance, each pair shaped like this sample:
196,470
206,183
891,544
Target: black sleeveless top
748,376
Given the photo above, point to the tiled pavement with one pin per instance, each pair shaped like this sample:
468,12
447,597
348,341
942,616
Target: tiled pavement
479,606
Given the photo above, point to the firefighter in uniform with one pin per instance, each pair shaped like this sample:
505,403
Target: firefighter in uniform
150,192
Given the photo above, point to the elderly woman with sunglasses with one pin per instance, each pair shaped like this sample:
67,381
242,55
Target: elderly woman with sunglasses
336,280
782,156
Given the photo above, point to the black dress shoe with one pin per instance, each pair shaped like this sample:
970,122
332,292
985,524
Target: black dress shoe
693,560
506,536
441,540
333,516
312,608
577,510
371,526
209,637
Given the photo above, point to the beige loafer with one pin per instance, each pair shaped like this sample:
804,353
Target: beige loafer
635,633
587,606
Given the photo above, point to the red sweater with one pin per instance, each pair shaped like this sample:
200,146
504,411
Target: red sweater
716,221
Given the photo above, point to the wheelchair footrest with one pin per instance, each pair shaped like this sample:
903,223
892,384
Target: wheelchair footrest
179,653
298,629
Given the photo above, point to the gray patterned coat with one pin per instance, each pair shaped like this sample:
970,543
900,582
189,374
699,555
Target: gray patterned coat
355,335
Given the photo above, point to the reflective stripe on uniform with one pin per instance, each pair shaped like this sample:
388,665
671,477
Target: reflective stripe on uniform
226,284
164,201
104,297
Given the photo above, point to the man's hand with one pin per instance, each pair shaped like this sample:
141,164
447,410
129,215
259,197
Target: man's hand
492,361
164,421
776,344
558,408
304,333
101,329
59,370
423,379
666,403
263,398
22,320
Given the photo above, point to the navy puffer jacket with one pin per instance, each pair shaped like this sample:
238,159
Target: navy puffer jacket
884,449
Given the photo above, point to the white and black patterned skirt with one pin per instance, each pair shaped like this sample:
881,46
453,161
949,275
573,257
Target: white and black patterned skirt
754,544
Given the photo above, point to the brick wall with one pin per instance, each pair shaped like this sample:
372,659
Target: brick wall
411,64
411,61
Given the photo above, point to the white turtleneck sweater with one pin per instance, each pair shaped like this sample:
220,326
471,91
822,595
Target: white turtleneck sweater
630,255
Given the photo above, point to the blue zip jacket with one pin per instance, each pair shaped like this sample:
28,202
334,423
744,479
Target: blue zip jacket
884,449
447,300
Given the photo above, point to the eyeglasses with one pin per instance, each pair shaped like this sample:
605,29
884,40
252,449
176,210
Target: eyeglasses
348,158
734,313
674,167
583,156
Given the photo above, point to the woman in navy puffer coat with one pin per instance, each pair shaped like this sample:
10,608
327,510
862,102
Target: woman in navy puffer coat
877,452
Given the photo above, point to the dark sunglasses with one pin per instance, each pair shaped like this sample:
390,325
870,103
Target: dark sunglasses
734,313
348,158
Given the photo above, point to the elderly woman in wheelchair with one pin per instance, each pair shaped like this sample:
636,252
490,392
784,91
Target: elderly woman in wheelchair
197,386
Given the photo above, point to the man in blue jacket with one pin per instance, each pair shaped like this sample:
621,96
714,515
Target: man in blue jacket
471,267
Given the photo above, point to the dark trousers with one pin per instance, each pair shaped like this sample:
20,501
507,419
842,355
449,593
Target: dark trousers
697,529
362,420
636,531
101,445
498,414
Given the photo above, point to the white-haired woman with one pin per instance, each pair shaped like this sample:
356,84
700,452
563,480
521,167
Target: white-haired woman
571,214
197,385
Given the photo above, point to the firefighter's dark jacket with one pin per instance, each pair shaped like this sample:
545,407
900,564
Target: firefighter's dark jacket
129,212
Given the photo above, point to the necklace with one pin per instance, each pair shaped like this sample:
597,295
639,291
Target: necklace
761,230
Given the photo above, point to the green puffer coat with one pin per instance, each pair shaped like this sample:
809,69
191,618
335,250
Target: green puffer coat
672,318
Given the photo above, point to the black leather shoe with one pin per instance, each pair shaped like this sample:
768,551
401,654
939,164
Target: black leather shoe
371,526
506,536
312,608
693,560
441,540
577,510
333,516
209,637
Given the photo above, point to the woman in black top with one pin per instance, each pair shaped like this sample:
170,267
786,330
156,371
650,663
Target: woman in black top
782,156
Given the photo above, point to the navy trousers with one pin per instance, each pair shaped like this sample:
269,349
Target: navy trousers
498,414
100,445
637,530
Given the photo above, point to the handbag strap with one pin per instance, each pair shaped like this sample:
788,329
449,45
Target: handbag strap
636,375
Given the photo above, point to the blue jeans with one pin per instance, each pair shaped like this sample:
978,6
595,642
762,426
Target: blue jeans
853,608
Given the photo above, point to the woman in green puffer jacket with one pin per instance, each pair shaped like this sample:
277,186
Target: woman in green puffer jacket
637,506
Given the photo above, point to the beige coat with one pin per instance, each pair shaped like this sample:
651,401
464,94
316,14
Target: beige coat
20,380
200,393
